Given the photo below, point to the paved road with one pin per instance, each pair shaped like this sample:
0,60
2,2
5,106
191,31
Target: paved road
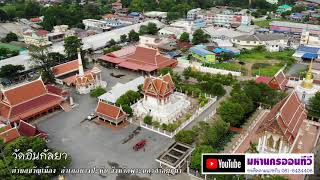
295,69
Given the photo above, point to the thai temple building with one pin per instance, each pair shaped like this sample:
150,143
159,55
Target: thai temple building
306,89
161,101
84,81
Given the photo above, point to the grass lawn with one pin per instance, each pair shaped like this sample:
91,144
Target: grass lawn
264,69
11,47
265,23
258,56
232,66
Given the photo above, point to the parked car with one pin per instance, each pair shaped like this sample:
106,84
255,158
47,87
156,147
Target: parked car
91,116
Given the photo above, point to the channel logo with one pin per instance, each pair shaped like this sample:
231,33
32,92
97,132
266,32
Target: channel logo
211,163
223,164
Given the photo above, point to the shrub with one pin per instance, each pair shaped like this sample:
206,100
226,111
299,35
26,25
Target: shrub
126,108
147,119
155,124
185,136
97,92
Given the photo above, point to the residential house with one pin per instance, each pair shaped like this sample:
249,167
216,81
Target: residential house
283,8
202,54
192,14
260,39
307,39
307,52
36,38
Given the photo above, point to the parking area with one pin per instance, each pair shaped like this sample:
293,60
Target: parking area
91,145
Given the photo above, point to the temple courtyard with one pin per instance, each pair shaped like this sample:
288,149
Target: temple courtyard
90,144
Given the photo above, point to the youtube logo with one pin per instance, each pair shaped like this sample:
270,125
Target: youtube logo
212,163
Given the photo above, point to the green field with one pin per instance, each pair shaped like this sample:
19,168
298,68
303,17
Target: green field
262,55
265,23
11,47
232,66
263,69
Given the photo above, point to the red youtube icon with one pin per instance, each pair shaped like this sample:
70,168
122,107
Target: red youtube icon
212,163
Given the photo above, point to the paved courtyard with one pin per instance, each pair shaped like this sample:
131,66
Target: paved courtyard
92,145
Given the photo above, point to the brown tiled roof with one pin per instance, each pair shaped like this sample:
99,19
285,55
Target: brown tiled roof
55,90
279,81
41,32
285,117
144,59
9,135
24,92
109,110
5,128
26,129
87,78
65,68
160,86
26,100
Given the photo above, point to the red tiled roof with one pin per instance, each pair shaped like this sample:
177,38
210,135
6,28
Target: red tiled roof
285,117
24,92
279,81
9,135
27,129
37,19
5,128
65,68
158,86
41,32
55,90
144,59
263,79
26,100
34,106
109,110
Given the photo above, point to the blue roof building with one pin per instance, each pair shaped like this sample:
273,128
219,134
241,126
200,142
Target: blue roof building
307,52
134,14
202,54
226,50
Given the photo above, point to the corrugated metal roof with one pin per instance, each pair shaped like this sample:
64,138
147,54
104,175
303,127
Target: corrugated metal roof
200,51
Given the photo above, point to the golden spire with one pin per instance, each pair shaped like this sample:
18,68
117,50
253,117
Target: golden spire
307,81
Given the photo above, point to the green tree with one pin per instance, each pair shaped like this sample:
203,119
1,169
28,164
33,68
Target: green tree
185,136
133,36
200,37
112,42
123,38
126,108
9,70
143,30
232,113
152,28
97,92
314,105
184,37
11,37
32,9
71,44
298,8
195,162
39,56
147,119
3,16
244,101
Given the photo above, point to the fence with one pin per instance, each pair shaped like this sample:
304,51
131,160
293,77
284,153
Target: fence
184,124
209,69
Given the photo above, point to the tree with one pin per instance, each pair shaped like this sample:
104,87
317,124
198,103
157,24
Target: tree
147,119
314,105
298,8
195,162
71,44
185,136
3,16
39,56
133,36
143,30
232,113
152,28
184,37
56,57
37,145
97,92
11,37
200,37
244,101
112,42
123,38
8,71
32,9
126,108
